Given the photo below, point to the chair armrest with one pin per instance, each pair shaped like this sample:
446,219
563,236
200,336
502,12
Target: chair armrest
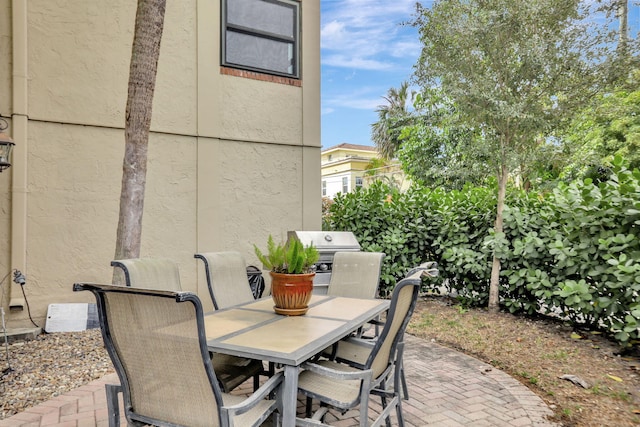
343,372
429,269
267,388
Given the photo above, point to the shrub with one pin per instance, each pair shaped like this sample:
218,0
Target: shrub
573,252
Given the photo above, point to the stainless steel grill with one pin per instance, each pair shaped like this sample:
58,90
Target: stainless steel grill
327,243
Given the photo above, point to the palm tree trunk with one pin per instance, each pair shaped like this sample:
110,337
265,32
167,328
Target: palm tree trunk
142,81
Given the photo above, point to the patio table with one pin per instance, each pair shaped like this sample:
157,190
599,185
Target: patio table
254,330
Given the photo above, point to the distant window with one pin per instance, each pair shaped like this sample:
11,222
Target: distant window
329,157
358,181
345,184
324,187
261,35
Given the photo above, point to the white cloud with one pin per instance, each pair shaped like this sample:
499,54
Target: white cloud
351,76
364,12
332,32
407,48
355,62
365,34
364,98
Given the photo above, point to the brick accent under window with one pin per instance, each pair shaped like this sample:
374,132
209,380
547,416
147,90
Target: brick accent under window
260,76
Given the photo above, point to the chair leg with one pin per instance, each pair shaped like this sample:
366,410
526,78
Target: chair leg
256,382
277,422
399,413
399,374
400,378
405,389
383,398
112,391
364,414
308,407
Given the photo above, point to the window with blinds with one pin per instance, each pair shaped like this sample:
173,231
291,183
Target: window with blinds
262,36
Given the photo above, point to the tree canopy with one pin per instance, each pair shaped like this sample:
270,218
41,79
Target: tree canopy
392,117
515,69
608,128
438,150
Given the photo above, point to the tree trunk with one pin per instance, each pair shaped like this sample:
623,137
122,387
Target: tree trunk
142,81
623,18
622,12
495,267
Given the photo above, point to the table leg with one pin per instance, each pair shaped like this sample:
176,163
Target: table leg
289,396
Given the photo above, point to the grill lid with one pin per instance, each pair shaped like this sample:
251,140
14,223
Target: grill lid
327,241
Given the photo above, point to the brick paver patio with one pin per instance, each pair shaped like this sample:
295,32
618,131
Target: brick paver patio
446,388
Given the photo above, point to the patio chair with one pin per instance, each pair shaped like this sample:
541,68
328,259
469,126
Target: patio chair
157,343
344,387
226,274
150,273
355,274
228,284
355,351
161,273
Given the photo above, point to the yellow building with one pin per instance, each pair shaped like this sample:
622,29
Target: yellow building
346,167
233,153
343,167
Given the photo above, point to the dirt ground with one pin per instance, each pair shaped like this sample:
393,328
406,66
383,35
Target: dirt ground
539,352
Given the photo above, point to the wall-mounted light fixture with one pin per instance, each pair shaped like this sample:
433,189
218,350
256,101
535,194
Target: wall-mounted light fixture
6,144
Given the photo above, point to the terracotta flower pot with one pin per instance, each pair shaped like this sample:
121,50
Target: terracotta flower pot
291,292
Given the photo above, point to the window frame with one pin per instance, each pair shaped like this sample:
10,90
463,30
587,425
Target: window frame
295,40
345,184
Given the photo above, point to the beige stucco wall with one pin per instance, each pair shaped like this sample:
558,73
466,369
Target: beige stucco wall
231,160
5,105
5,54
78,58
73,207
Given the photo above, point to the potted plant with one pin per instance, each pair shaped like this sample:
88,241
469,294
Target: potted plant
291,267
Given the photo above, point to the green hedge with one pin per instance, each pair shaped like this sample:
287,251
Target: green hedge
573,252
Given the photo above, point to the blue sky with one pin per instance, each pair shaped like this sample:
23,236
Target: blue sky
364,52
